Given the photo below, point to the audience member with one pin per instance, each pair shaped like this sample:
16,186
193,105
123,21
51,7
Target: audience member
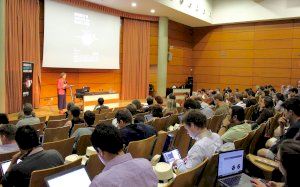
28,118
100,105
33,158
264,111
137,104
7,137
120,168
159,100
292,116
132,132
75,111
3,119
239,100
89,119
293,92
279,99
204,107
190,104
207,142
68,112
157,111
288,157
222,107
239,128
149,101
171,108
173,96
132,108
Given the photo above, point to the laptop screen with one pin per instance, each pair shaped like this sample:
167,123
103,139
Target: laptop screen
5,165
148,117
230,163
171,156
75,177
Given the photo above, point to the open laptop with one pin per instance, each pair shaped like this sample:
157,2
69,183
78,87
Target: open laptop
75,177
148,117
5,166
230,169
171,156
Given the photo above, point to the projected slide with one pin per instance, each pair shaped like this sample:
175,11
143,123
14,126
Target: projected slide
80,38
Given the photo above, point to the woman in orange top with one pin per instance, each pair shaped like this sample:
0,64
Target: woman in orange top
61,92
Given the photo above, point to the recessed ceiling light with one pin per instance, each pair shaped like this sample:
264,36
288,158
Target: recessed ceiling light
133,4
152,11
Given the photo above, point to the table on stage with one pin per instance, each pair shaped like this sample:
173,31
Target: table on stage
90,100
180,92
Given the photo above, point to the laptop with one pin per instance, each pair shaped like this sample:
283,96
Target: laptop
230,169
5,166
171,156
75,177
148,117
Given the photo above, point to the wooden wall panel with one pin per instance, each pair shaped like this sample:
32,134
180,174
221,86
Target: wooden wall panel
246,55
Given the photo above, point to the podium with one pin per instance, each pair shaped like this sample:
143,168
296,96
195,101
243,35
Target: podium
90,99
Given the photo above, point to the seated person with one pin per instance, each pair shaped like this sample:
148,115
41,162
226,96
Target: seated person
291,115
149,101
173,96
120,169
293,92
221,106
264,111
171,108
89,119
68,112
204,107
28,119
100,104
190,104
33,158
159,100
156,112
132,132
132,108
207,142
239,128
3,119
7,137
138,105
75,111
239,100
288,157
279,99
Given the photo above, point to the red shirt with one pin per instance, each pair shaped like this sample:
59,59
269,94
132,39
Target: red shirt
61,88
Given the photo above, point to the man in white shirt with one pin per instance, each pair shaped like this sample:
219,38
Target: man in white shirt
239,100
7,137
207,142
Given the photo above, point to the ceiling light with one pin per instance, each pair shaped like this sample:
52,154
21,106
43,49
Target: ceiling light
133,4
152,11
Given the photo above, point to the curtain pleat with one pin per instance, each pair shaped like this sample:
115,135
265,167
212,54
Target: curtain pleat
22,44
136,59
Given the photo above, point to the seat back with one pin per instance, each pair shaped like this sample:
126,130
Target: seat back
7,156
216,122
238,144
37,178
56,123
77,126
99,117
64,147
172,120
246,143
189,178
14,122
249,111
42,119
182,141
109,115
256,138
57,117
106,121
209,175
94,166
160,124
56,134
272,125
83,142
142,148
39,126
104,111
159,143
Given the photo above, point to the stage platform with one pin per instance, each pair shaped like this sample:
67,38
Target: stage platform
53,110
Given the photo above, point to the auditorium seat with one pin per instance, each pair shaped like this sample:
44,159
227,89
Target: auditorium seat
142,148
64,147
182,141
38,176
172,120
7,156
57,117
189,178
13,122
39,127
256,138
83,142
42,119
160,124
106,121
238,144
209,176
94,166
216,122
159,143
77,126
56,123
247,142
249,111
56,134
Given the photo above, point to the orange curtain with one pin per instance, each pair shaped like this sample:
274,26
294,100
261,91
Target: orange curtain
136,59
22,44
